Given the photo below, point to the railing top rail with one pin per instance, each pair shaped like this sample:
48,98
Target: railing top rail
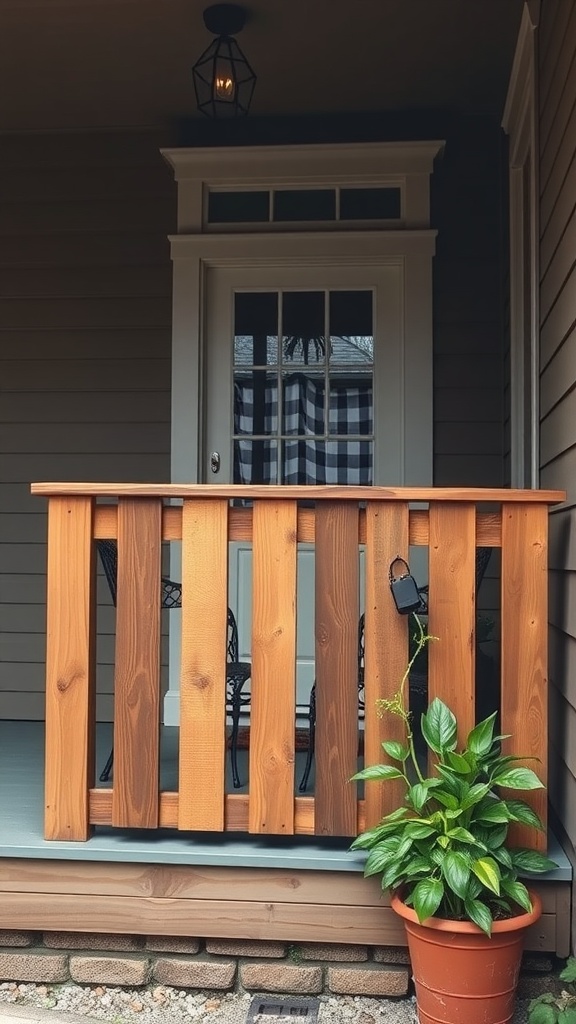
298,492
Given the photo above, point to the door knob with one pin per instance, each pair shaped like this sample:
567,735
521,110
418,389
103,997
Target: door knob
215,462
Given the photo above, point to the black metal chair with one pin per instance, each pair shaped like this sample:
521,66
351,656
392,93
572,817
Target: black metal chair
482,559
237,672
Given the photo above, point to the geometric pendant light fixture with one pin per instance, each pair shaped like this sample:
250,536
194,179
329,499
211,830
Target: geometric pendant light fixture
223,79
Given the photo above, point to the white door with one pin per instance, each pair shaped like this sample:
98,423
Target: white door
304,384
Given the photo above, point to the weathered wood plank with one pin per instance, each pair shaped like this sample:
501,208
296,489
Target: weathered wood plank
452,610
284,922
299,492
137,673
336,629
488,525
70,668
386,648
203,665
273,705
524,647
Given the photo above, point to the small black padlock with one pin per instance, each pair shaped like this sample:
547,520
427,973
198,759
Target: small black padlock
404,589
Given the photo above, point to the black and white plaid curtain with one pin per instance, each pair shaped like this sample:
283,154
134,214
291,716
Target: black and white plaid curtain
305,461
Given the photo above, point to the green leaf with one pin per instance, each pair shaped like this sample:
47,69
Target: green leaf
542,1014
567,1016
495,811
479,913
518,892
518,778
377,861
446,799
457,763
427,897
366,840
475,795
492,837
531,860
482,736
378,772
419,829
439,727
456,871
398,751
487,872
462,835
520,811
418,865
417,795
503,856
568,973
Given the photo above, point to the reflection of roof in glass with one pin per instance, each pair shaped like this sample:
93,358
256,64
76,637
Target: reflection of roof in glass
345,351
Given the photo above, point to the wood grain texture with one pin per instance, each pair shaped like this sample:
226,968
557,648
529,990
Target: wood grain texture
137,670
336,629
524,683
271,921
273,706
488,525
299,492
203,665
386,649
70,669
452,610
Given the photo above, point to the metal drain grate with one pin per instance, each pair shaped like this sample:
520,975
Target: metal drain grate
267,1009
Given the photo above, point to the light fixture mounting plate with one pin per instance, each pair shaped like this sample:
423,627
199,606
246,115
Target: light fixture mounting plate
225,19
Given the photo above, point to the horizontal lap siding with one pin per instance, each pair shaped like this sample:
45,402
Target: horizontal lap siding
85,315
468,374
558,379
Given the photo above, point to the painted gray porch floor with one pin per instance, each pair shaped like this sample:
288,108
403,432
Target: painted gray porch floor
21,819
22,813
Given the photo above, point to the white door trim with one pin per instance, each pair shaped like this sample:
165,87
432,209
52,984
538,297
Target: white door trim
193,255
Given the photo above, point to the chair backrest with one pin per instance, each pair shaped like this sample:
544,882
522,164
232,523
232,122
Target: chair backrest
171,592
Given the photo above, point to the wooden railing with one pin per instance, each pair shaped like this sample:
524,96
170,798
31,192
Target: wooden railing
338,521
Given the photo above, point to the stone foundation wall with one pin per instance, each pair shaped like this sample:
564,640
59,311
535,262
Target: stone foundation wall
215,964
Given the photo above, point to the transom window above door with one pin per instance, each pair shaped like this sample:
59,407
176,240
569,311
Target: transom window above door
303,386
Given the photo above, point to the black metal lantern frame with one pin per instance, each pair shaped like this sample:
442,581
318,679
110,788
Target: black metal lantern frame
223,79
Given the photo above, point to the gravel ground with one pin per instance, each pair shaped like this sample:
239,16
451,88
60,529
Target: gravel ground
160,1003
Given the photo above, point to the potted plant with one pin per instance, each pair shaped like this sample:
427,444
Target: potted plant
443,854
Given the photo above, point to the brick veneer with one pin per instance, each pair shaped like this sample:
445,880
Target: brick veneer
212,965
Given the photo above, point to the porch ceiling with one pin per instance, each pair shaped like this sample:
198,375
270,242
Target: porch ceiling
107,63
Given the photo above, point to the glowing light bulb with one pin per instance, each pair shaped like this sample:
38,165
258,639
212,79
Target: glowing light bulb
224,86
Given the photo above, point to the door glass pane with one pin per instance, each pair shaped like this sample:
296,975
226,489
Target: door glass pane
303,328
304,204
255,328
255,402
303,410
327,462
303,403
255,462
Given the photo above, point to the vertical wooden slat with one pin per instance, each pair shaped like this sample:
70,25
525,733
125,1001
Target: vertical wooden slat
337,614
524,684
203,666
386,647
452,615
135,798
273,708
70,668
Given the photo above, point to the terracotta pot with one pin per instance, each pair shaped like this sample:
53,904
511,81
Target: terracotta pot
461,975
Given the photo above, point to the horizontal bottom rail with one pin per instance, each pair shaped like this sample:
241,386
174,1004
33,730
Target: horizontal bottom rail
236,811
